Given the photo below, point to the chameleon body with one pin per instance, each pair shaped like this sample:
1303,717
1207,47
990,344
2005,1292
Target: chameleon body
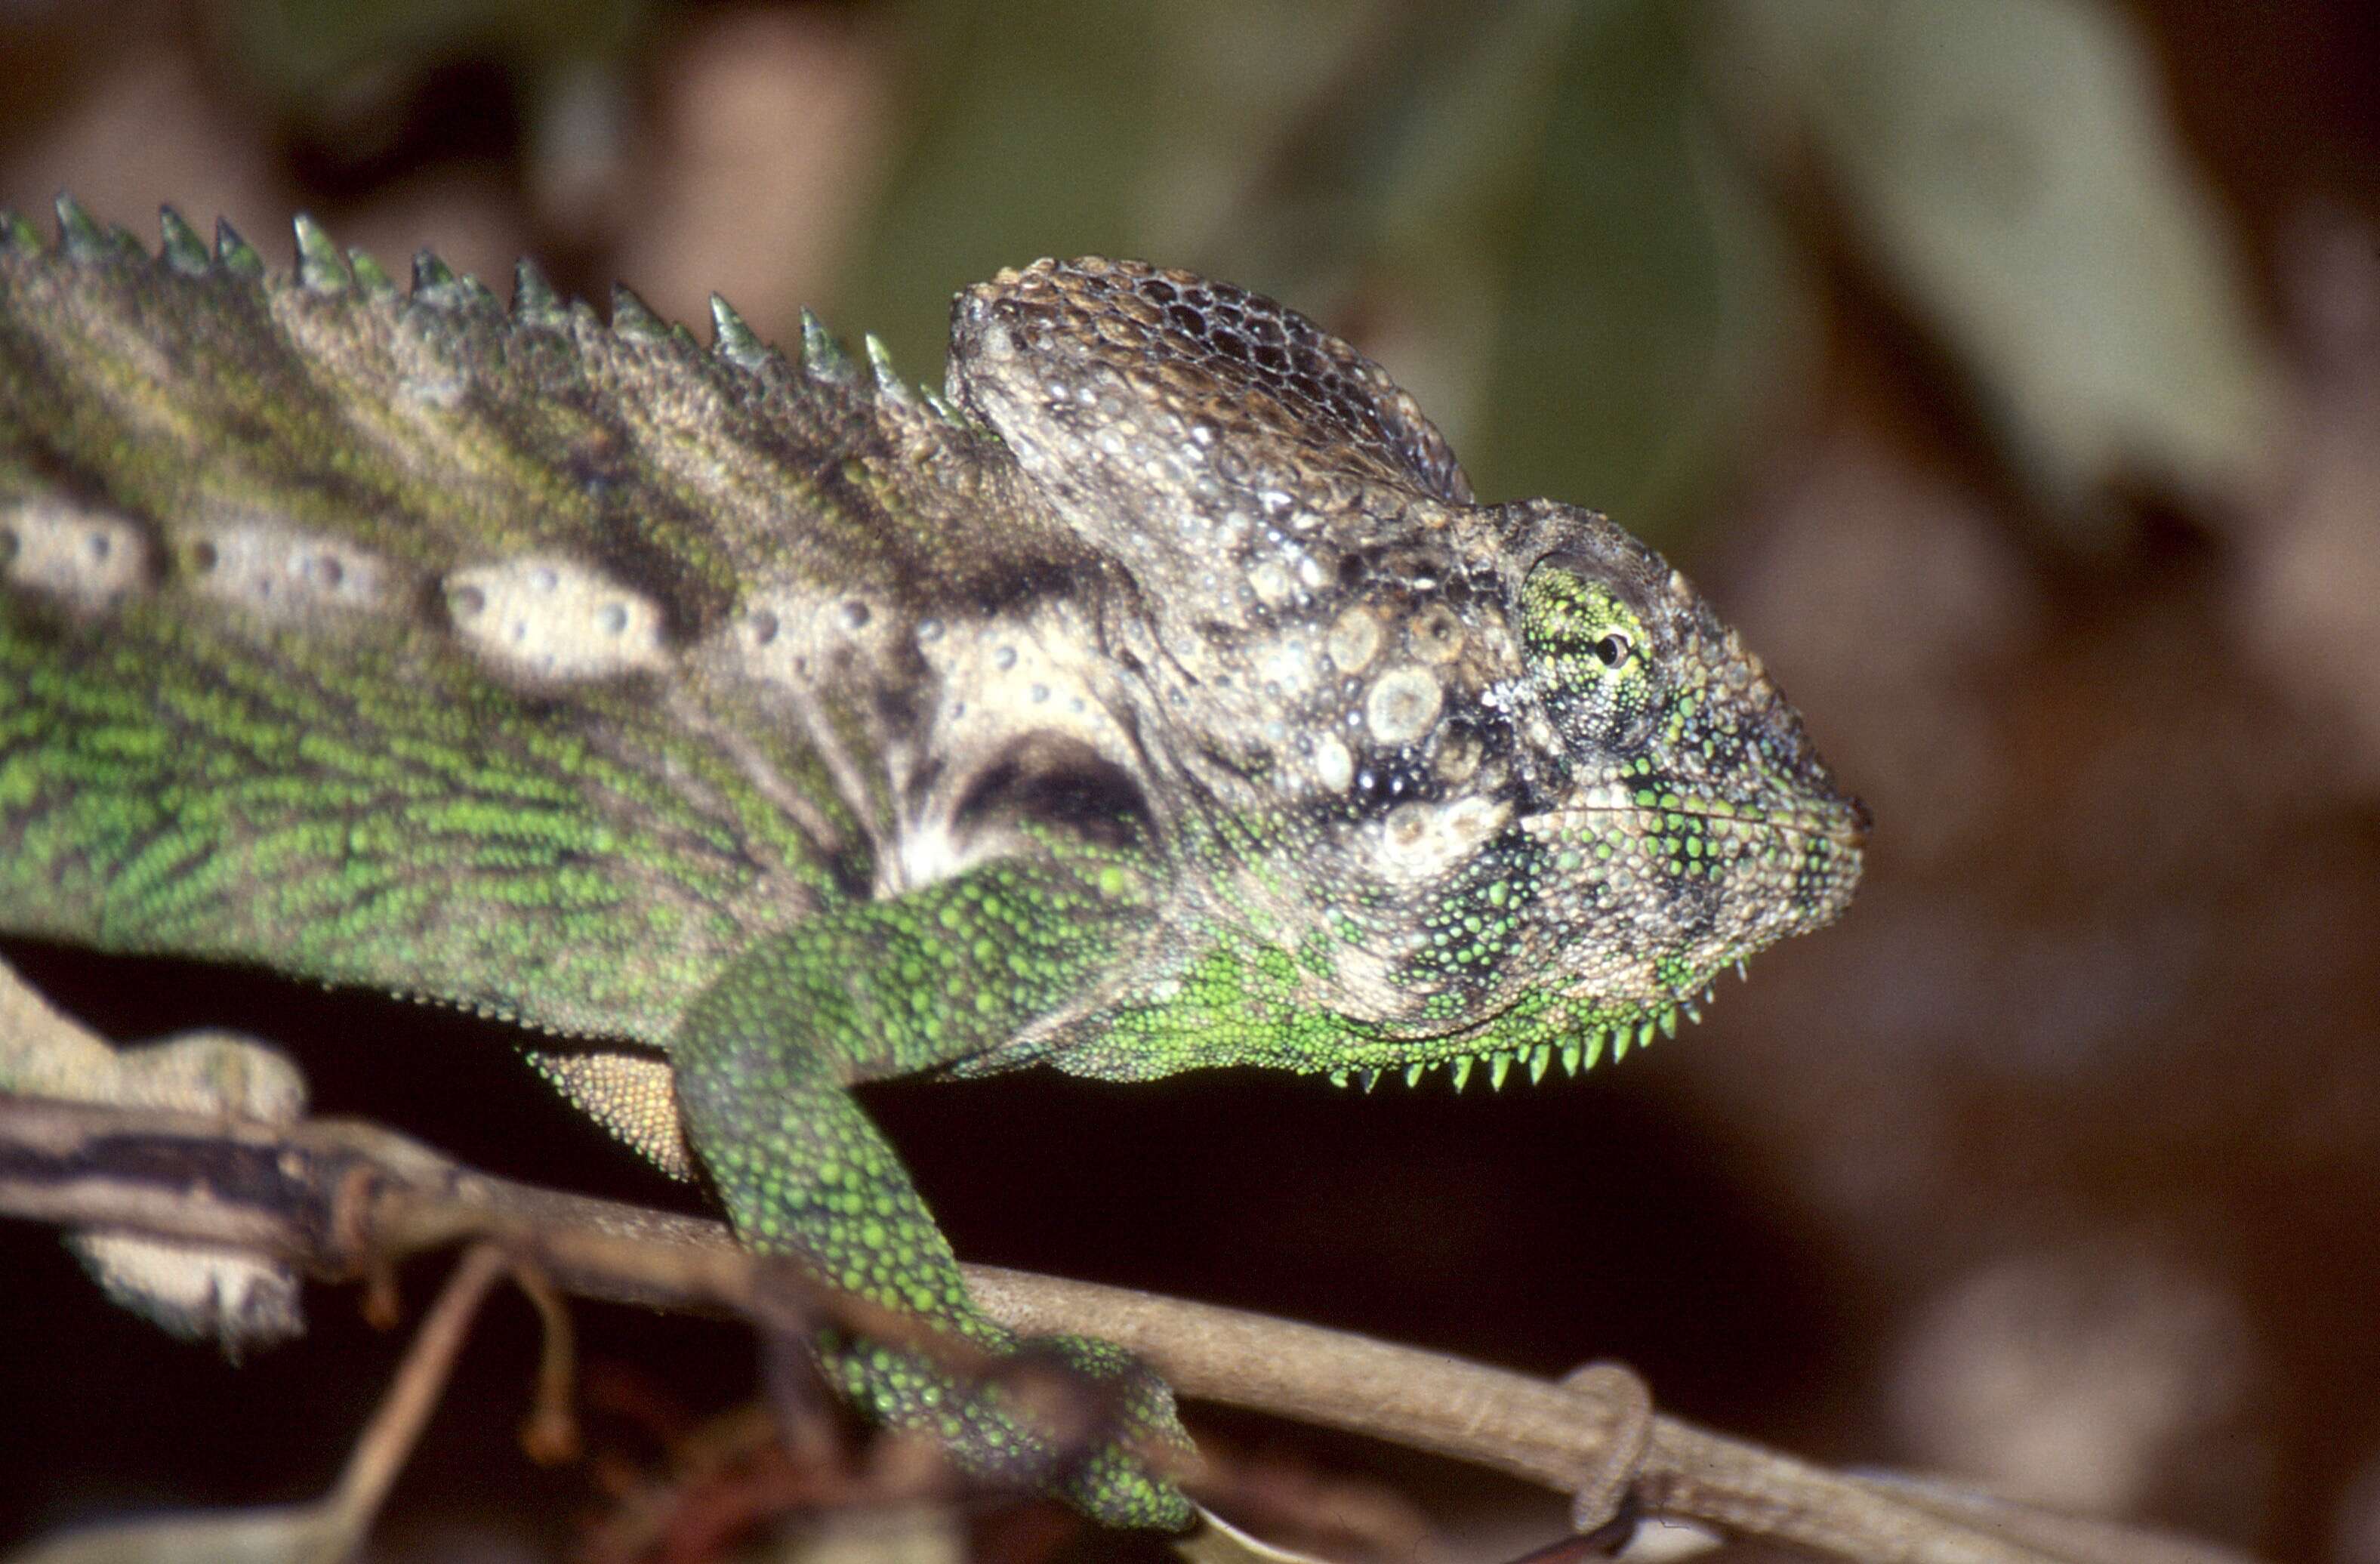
1156,696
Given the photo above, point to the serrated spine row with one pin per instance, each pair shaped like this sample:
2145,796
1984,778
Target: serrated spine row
323,268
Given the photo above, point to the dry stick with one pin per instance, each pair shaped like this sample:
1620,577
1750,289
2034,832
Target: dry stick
550,1433
1578,1437
1583,1437
81,1166
347,1513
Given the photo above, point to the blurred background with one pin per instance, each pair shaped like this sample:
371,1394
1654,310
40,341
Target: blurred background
2008,372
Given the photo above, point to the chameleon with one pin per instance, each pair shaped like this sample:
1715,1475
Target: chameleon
750,725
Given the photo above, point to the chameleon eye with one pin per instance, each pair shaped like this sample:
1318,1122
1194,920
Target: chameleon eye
1575,626
1584,644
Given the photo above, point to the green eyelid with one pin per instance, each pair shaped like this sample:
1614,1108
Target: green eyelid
1574,621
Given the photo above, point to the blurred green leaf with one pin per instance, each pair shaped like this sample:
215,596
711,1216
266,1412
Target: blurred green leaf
1538,212
1073,128
1521,208
303,52
1649,311
1524,210
2011,166
345,73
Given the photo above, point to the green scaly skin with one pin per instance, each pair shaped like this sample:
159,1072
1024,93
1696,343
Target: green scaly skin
1157,698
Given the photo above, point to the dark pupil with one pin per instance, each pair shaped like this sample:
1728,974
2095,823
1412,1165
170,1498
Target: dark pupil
1610,650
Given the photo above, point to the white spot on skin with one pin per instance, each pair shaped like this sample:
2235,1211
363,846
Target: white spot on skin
284,572
555,621
89,560
1457,761
997,678
928,854
792,634
1333,765
1420,842
1403,705
1288,667
1354,638
1436,634
1272,583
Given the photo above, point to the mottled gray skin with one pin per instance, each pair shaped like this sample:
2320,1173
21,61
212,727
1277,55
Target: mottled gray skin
1159,700
1312,625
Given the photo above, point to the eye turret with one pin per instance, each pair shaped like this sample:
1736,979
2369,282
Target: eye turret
1589,657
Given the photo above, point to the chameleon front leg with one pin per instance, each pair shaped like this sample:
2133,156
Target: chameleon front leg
887,987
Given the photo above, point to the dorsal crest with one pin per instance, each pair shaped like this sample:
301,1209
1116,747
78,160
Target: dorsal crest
1229,452
1261,376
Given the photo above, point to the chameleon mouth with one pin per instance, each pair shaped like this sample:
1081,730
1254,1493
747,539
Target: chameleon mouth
1844,823
1578,1050
1840,823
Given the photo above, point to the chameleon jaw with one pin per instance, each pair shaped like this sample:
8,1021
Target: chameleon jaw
1582,1050
1577,1046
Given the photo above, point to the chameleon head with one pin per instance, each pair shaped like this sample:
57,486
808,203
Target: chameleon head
1554,801
1444,781
1668,815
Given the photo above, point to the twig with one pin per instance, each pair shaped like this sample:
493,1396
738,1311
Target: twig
380,1453
324,1194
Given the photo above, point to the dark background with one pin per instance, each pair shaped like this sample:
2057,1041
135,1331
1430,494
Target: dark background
2009,373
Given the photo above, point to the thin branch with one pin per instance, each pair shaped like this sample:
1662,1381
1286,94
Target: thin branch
331,1195
347,1513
